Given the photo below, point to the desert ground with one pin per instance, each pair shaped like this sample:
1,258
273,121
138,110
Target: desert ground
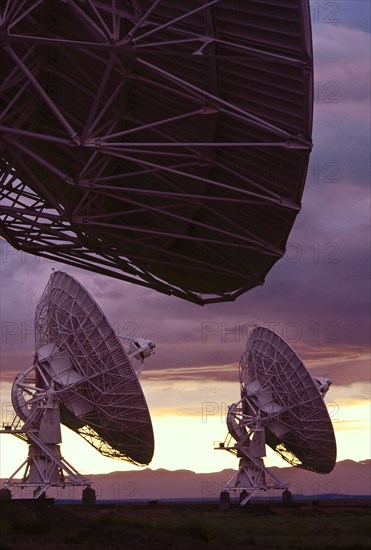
158,526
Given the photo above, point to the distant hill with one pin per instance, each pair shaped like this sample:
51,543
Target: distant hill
347,478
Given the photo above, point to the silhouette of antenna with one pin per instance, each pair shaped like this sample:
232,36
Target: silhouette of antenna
164,143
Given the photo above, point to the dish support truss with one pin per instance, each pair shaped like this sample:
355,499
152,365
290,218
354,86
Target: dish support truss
131,193
37,421
247,421
248,431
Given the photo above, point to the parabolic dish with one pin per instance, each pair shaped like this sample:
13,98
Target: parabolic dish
100,396
307,437
161,142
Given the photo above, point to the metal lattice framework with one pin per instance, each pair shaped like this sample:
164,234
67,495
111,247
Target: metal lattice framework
81,356
281,405
37,422
301,430
164,143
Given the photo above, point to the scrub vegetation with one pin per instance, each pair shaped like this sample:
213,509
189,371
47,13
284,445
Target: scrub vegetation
134,527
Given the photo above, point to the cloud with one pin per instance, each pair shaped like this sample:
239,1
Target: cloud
350,13
342,104
316,297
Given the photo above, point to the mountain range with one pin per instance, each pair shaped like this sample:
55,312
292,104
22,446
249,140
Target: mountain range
347,478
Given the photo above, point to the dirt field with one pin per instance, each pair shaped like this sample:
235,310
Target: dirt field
195,526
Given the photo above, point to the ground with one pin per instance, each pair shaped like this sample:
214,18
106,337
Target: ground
183,526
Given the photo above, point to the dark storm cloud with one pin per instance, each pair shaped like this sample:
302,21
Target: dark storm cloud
316,297
350,13
342,106
354,13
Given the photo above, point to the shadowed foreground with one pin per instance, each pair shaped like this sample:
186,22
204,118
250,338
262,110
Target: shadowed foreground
328,526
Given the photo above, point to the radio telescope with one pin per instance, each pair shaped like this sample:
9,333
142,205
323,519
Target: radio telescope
83,378
160,142
282,406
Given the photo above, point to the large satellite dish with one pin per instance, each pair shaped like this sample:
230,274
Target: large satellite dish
282,406
83,378
161,142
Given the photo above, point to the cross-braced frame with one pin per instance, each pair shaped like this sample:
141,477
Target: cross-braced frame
164,143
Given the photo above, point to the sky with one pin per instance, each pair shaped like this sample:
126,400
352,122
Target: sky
317,297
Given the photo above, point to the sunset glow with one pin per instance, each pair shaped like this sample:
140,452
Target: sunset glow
316,297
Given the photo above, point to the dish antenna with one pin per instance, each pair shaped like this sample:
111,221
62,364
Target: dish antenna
282,406
83,378
160,142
